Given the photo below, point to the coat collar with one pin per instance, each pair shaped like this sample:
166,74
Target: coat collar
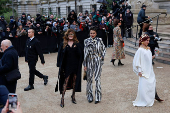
11,47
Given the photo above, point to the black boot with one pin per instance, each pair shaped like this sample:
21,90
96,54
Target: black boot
157,98
113,61
45,80
29,87
119,63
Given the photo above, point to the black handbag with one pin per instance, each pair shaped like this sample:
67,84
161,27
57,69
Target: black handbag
13,75
85,75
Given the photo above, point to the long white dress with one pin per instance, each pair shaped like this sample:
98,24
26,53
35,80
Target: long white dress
142,62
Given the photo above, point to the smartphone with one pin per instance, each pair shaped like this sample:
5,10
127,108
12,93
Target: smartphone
12,97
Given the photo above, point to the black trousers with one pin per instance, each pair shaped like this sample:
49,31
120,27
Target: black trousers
152,47
10,86
33,72
129,31
141,28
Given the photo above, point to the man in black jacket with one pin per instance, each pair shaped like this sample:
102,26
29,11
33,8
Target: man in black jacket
33,49
141,18
8,62
154,37
129,22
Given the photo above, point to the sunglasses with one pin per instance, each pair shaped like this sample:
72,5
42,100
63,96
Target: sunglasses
70,34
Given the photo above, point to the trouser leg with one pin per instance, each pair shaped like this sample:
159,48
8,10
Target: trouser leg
140,32
97,75
33,72
89,89
12,87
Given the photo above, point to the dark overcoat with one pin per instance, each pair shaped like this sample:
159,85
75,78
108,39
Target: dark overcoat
61,74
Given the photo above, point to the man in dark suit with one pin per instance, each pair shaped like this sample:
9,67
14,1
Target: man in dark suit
8,62
33,50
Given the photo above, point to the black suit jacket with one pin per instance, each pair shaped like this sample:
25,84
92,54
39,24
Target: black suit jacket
8,62
33,50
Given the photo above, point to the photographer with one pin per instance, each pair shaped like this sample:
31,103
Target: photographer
2,34
110,34
115,6
103,10
3,24
129,21
39,18
72,17
8,34
13,24
153,39
38,29
23,19
75,26
102,32
97,17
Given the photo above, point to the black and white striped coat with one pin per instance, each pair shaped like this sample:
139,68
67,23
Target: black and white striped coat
94,52
93,48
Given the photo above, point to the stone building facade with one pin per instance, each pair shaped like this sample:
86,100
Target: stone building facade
59,8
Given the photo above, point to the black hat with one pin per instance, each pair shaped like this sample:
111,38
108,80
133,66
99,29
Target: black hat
2,16
11,17
143,6
37,14
23,13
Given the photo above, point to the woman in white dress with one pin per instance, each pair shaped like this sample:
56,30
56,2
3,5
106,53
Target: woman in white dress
142,66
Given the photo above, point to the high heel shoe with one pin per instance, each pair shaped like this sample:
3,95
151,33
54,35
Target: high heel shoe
73,99
62,102
113,61
120,64
159,100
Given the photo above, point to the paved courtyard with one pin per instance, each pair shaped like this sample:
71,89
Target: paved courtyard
119,89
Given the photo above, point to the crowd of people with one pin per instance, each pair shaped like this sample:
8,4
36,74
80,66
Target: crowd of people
50,30
79,39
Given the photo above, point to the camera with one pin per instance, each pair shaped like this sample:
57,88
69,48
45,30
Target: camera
65,28
158,39
1,29
12,97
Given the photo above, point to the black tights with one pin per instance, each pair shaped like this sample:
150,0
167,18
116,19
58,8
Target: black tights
65,86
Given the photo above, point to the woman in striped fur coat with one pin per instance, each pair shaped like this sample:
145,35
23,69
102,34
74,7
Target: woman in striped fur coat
94,52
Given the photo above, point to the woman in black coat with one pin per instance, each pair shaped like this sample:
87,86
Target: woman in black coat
69,62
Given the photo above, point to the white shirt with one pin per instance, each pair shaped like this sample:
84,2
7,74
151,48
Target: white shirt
31,38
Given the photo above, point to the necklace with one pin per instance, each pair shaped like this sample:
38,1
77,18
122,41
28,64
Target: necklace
145,47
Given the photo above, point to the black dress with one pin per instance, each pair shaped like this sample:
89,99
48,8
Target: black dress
71,60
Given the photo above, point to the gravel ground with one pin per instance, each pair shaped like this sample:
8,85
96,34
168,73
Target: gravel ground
119,89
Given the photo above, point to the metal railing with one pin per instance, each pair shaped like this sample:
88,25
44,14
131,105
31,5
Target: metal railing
148,20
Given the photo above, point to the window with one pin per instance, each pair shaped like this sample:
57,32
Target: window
68,10
58,13
49,11
94,6
80,9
